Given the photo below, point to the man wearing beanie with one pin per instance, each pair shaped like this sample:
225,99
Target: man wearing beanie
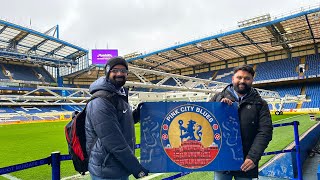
110,136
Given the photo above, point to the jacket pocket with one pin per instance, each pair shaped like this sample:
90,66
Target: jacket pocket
106,159
110,161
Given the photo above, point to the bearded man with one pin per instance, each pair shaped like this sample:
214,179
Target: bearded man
255,122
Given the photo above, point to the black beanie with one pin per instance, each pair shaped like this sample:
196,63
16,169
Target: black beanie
113,62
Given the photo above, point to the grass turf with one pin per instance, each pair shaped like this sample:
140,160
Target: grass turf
27,142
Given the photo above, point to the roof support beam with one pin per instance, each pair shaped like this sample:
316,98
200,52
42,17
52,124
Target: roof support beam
227,46
55,50
170,60
15,41
158,64
189,56
3,28
252,42
71,56
209,52
312,35
276,33
35,47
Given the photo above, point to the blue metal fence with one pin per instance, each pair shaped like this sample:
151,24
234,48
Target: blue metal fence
55,159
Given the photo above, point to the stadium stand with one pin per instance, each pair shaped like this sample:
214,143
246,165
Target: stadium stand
6,110
2,73
203,75
29,113
26,73
19,72
224,75
45,74
286,68
30,110
313,65
312,92
287,90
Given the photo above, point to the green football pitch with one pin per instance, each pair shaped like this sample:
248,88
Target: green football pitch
27,142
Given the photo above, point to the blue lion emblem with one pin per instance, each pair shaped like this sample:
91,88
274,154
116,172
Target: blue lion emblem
188,132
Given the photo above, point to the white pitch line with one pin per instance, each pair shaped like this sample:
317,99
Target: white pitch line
79,175
288,118
73,177
152,176
8,176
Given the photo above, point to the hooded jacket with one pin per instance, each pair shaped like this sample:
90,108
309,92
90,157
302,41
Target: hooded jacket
110,133
255,124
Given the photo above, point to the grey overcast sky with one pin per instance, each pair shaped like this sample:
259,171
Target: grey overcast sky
139,25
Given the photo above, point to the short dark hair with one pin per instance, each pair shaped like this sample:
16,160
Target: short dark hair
247,68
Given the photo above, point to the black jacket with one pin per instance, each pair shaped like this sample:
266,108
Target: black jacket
255,123
110,133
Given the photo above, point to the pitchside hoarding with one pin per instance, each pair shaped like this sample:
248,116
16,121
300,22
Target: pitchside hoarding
101,56
190,136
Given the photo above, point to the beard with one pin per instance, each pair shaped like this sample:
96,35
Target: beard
118,81
244,90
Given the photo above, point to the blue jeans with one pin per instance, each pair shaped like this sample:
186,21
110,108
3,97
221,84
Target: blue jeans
93,177
221,176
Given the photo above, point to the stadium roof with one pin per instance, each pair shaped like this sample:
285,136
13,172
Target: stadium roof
30,45
302,28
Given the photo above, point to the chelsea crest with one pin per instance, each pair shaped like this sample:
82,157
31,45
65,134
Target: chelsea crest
191,136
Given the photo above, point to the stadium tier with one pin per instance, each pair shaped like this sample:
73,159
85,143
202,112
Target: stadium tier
312,65
20,72
312,92
24,73
285,68
224,75
287,90
203,75
30,110
45,74
28,113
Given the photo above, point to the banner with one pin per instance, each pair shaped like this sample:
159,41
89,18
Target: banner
101,56
190,136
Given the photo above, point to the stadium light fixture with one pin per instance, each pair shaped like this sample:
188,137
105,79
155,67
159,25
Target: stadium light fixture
316,16
254,21
290,37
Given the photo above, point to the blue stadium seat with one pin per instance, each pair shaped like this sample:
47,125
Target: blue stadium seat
286,68
313,65
19,72
45,74
224,75
2,76
312,92
203,75
6,110
290,90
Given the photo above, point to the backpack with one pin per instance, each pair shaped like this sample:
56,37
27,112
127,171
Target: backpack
76,136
